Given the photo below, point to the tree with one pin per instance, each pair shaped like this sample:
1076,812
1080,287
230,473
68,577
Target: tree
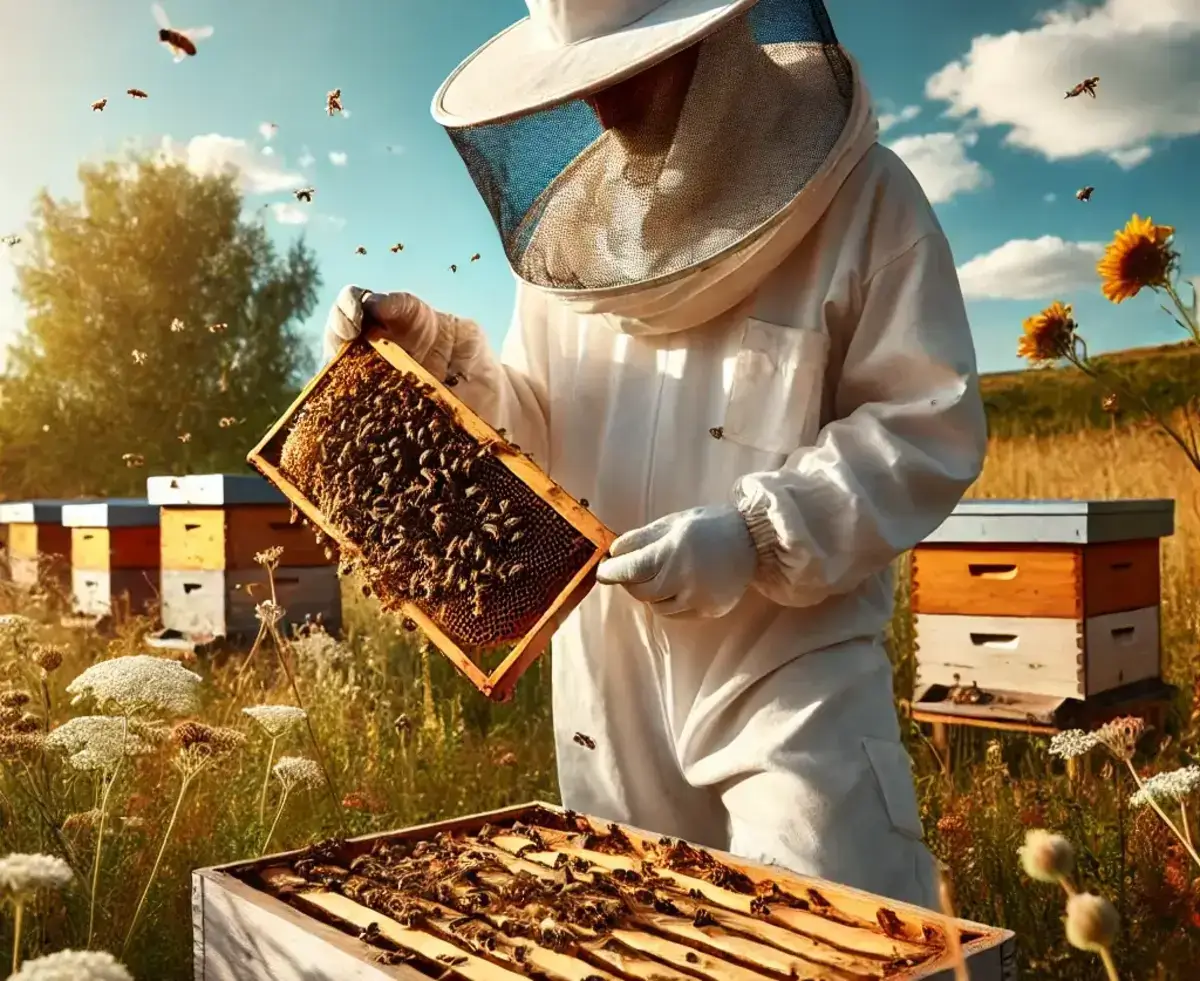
150,261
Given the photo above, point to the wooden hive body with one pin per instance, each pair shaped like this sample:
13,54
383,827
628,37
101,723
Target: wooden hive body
211,528
38,547
274,918
1055,599
498,682
114,556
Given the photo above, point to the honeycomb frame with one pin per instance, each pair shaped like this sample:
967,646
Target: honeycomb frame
499,683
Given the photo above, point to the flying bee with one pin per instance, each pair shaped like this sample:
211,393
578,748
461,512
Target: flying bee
11,240
587,742
475,257
133,459
217,328
228,421
333,102
139,357
360,251
1088,85
451,380
1084,193
453,268
181,43
99,104
185,437
398,247
178,326
305,194
136,94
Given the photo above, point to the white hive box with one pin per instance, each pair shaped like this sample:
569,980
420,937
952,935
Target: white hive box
114,556
1055,599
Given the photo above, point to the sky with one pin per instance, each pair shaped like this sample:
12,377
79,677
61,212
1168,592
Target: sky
970,96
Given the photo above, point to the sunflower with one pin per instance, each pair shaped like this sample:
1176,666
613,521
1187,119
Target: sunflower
1048,335
1139,255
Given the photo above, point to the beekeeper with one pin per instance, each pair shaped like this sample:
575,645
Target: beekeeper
740,336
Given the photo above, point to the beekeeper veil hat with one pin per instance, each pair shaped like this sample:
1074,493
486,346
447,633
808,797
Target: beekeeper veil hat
583,208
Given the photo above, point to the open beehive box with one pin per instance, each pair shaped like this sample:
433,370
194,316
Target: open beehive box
537,891
451,525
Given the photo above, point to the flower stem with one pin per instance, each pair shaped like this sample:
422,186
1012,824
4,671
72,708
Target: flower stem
1184,823
100,832
262,799
278,811
1110,966
1184,840
183,787
18,914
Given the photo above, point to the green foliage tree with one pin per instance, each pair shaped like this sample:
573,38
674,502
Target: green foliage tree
150,260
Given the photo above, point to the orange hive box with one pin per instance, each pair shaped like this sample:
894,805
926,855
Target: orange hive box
451,525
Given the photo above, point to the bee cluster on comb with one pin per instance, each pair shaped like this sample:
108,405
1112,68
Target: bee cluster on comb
435,520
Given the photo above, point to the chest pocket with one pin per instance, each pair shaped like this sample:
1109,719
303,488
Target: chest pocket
776,392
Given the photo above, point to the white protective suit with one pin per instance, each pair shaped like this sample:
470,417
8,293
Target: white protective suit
752,709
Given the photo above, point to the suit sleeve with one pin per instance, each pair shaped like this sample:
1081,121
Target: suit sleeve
908,439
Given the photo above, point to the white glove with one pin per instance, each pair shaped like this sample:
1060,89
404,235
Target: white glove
697,562
411,322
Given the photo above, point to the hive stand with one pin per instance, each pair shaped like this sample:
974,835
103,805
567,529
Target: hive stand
1038,616
114,558
39,547
211,528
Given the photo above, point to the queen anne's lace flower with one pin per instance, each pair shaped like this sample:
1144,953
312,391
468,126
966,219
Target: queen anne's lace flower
16,633
269,612
98,742
276,719
73,965
1174,785
1072,743
139,684
23,875
297,771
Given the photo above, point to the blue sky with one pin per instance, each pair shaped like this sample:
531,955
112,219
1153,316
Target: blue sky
971,93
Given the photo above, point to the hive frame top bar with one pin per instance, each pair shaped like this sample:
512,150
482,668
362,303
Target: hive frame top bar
46,511
1055,522
127,512
211,490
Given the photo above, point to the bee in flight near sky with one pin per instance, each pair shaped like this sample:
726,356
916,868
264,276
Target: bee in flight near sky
454,268
305,194
475,257
181,43
1085,193
99,104
1088,85
361,250
136,93
333,102
11,240
398,247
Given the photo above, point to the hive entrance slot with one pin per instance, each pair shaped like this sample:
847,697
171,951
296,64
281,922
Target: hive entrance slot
1121,566
190,587
287,580
1002,641
190,527
989,570
1123,634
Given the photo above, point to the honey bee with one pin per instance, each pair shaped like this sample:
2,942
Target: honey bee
217,328
398,247
177,326
11,240
333,102
360,251
451,380
1110,403
1088,85
1084,193
587,742
583,502
305,194
132,460
228,421
475,257
136,94
453,268
185,437
139,357
99,104
181,43
717,432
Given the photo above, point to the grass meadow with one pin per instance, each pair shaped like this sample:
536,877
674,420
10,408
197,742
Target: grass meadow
405,741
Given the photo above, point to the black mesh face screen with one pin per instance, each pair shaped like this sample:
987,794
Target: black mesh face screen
579,207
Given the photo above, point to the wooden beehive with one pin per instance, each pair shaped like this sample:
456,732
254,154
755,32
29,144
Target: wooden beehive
114,556
1053,599
39,547
211,528
544,581
537,891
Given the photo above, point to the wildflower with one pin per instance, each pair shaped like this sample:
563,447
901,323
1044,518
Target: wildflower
270,557
269,612
1046,857
26,724
320,652
1111,404
9,716
1092,922
138,683
276,719
16,633
97,742
23,875
1173,785
363,800
209,741
1048,335
73,965
1138,256
297,771
1073,743
14,698
48,657
1121,736
82,820
17,747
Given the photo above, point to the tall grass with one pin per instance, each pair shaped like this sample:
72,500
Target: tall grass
406,741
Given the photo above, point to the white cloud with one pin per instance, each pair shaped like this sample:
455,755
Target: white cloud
267,130
306,159
346,113
337,158
289,214
268,151
1050,198
940,163
1128,159
1144,52
1043,268
889,119
215,154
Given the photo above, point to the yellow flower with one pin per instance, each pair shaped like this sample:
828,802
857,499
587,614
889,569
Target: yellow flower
1048,335
1139,255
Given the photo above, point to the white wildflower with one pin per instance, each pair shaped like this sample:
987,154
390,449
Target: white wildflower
23,875
1072,743
1092,922
98,742
276,719
1046,857
1174,785
16,633
320,653
297,771
73,965
139,683
269,612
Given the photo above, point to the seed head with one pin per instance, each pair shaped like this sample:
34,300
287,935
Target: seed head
48,657
23,875
276,719
1092,922
269,558
16,747
1121,736
14,698
73,965
139,684
1046,857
